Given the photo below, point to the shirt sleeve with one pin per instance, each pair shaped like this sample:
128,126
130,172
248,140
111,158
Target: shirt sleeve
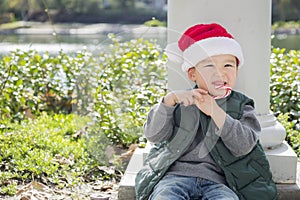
240,136
159,124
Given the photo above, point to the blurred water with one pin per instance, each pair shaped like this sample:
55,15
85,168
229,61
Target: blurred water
68,43
96,42
288,42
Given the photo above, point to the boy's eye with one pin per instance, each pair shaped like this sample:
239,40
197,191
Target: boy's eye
228,65
209,65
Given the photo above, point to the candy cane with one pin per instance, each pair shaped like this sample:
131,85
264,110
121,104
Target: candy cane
227,93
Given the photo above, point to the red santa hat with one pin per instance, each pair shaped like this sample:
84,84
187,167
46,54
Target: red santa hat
202,41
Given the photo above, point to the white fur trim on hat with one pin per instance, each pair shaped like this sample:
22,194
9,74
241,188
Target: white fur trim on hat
203,49
174,53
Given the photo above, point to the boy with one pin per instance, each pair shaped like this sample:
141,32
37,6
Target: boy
206,139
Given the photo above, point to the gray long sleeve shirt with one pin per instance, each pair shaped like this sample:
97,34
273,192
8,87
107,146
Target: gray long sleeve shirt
239,136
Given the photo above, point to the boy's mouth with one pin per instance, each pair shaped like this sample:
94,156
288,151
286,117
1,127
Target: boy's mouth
223,86
219,84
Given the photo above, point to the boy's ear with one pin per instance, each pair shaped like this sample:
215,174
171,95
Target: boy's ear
191,73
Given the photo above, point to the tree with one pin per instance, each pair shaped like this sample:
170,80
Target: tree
287,9
296,4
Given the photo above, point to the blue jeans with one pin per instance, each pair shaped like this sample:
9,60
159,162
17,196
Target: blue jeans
173,187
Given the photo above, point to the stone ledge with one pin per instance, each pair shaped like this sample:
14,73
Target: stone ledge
126,186
127,192
288,191
287,173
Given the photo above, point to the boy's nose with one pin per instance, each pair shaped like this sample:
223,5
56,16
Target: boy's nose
220,71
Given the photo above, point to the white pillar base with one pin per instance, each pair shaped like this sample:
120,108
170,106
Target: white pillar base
283,163
272,132
282,158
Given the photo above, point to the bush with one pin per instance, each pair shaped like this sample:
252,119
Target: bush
285,84
117,87
155,23
293,136
132,80
32,83
51,149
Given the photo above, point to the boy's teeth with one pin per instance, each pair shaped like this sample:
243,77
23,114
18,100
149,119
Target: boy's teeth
219,86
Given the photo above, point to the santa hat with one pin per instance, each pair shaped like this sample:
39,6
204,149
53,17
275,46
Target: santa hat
202,41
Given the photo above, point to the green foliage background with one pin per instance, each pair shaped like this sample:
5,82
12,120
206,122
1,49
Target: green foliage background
285,83
60,113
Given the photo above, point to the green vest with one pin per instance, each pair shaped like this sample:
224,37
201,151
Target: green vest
248,176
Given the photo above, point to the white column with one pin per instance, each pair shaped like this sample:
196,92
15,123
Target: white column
250,23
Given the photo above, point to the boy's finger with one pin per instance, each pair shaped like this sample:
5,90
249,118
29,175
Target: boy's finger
201,91
197,96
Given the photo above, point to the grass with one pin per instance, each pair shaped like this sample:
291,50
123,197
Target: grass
13,25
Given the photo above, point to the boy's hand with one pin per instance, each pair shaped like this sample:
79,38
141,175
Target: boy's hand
186,97
201,98
209,106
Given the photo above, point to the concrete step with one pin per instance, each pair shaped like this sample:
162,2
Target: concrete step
127,192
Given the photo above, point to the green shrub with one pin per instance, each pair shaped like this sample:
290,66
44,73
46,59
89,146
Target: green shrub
293,136
154,23
31,83
132,80
285,84
118,86
51,149
286,25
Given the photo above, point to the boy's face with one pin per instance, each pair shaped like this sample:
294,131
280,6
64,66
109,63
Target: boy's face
216,71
